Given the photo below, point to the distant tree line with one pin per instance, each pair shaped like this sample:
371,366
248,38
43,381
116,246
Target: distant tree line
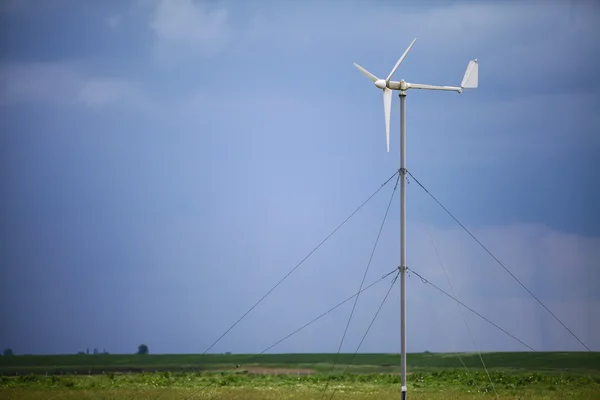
96,352
142,349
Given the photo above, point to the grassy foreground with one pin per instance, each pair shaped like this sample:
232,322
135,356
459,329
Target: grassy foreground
576,362
533,376
451,384
278,394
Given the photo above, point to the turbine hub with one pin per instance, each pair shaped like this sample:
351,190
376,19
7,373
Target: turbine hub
381,83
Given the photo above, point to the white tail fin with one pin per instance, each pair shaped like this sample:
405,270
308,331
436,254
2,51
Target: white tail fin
471,78
387,108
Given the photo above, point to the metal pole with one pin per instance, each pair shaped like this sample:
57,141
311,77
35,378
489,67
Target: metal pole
403,241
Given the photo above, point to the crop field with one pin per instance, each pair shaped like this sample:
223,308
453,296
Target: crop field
300,376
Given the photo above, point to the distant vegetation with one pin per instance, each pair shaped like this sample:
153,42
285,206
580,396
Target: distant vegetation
87,352
142,349
575,362
529,375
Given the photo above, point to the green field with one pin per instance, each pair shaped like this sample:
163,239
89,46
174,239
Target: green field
525,375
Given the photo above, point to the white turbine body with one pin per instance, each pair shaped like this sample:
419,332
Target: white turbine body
470,81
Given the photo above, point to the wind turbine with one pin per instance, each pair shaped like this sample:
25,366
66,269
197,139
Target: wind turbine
470,81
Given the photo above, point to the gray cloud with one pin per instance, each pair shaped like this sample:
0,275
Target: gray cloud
185,29
114,21
45,81
523,48
68,84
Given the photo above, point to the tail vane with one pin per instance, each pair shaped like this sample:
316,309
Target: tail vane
471,78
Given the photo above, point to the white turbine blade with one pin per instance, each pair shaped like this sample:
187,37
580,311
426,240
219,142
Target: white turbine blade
434,87
400,60
387,107
366,73
471,78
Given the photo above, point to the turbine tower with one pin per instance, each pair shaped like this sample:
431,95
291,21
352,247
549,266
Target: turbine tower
470,81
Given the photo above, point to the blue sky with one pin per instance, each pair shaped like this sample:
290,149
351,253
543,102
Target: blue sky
165,163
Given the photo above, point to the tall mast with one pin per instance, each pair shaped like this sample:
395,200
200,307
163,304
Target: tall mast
403,242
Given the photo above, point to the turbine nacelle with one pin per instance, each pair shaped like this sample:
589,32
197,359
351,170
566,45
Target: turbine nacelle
399,85
470,81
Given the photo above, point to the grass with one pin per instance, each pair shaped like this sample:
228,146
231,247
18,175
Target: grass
278,394
431,385
535,376
577,362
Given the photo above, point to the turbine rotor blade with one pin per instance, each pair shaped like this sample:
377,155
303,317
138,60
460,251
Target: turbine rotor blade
366,73
400,60
387,107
